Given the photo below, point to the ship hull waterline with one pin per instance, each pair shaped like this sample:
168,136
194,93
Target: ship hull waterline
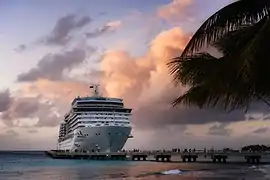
102,139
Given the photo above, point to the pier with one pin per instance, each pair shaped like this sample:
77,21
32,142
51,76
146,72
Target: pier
166,156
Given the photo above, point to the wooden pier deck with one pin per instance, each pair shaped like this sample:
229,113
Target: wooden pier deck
168,156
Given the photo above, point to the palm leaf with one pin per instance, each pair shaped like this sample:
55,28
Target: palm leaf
218,81
234,41
256,52
208,96
212,81
230,18
189,70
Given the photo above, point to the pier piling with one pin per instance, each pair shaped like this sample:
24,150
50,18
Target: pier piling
163,157
253,159
189,157
139,157
219,158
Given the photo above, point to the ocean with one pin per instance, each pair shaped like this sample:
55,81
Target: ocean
37,166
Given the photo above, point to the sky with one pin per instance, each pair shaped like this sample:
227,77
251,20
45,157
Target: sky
51,51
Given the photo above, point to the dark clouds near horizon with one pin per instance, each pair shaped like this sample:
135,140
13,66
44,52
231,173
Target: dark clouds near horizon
5,100
28,107
160,113
219,130
261,130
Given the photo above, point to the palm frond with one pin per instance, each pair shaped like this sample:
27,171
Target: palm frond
256,51
189,70
230,18
212,81
208,96
234,41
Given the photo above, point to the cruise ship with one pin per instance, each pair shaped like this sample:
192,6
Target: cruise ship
96,124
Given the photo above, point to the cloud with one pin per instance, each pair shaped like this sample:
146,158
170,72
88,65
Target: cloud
52,66
144,73
8,142
31,108
261,130
173,137
92,75
21,108
21,48
176,10
107,28
119,80
219,130
60,90
32,131
12,133
159,113
5,100
60,34
17,139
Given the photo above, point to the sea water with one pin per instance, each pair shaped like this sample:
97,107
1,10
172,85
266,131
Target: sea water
37,166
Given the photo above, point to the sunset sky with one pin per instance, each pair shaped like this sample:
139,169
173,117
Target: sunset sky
51,51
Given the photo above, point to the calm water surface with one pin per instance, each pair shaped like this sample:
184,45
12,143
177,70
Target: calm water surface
37,166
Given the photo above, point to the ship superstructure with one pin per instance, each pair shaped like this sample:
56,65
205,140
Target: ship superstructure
95,123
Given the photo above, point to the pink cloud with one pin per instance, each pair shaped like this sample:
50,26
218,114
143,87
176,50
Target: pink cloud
177,10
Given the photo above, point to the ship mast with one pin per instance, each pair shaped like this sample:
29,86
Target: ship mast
95,88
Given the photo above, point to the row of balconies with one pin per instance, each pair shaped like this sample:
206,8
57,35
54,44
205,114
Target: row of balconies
70,123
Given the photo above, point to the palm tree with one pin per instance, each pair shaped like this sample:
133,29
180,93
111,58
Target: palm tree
241,32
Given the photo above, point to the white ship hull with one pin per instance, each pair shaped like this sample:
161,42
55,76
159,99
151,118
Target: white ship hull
103,138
